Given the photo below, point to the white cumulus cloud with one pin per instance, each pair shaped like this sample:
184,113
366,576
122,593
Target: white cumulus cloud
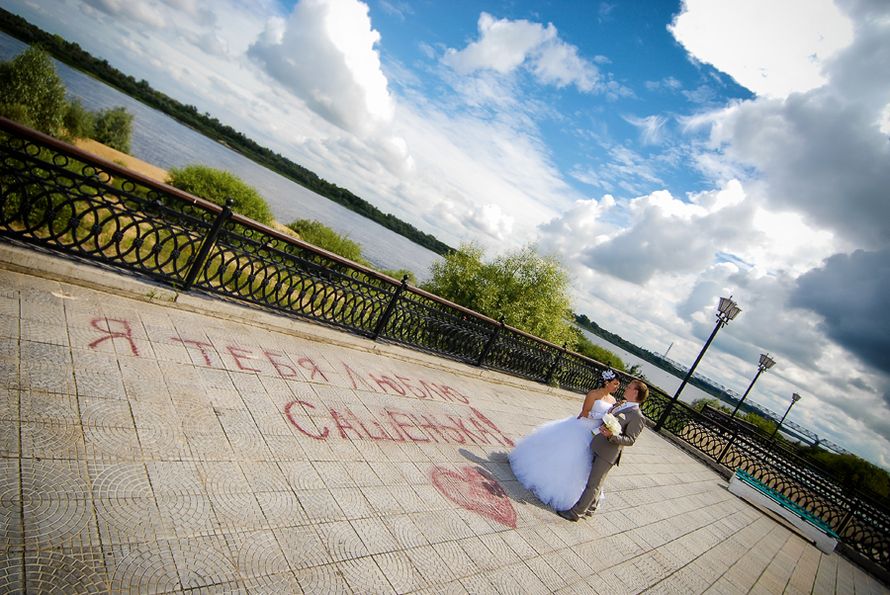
504,45
325,54
771,48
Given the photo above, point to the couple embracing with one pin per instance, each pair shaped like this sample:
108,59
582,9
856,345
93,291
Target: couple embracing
565,462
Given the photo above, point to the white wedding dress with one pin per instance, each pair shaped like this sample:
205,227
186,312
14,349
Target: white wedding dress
554,460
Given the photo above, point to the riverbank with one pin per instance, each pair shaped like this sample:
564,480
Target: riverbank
158,174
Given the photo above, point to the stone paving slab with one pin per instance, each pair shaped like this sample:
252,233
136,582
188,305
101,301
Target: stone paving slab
153,442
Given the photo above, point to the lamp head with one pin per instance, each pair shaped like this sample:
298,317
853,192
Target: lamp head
766,362
727,309
795,398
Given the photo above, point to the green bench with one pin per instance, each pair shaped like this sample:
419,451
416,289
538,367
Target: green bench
811,527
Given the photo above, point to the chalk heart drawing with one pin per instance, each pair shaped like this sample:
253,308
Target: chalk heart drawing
474,489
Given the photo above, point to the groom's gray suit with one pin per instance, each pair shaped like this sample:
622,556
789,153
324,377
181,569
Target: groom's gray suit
606,452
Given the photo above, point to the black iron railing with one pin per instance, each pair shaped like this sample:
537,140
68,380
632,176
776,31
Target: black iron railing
862,523
59,197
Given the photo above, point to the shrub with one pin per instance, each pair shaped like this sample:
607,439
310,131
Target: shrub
17,113
530,291
114,127
31,91
321,235
217,186
78,121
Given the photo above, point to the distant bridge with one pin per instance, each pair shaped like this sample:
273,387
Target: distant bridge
788,427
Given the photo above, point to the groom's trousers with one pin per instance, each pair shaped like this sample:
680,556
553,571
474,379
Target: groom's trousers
591,493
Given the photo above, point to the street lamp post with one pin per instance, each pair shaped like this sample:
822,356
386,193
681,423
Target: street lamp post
794,399
726,311
766,362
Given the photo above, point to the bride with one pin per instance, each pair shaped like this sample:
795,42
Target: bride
554,460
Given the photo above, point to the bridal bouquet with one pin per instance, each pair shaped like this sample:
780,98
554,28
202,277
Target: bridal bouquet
611,422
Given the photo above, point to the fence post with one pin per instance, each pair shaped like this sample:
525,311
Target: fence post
847,518
557,359
491,342
725,450
209,240
384,318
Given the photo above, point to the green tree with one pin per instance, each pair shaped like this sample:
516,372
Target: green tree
78,121
530,291
31,91
324,237
851,470
217,186
460,276
114,127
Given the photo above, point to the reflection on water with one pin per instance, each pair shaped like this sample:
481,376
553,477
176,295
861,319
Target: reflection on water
160,140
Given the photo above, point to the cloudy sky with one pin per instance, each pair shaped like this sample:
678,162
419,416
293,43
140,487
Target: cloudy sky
668,152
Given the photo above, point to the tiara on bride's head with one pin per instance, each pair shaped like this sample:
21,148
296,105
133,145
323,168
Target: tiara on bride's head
608,375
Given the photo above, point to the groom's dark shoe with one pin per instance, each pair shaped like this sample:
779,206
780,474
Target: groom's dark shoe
567,515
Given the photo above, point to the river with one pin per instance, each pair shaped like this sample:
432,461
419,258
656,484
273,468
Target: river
162,141
655,375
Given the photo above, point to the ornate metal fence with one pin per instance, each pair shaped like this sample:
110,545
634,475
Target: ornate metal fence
63,199
862,523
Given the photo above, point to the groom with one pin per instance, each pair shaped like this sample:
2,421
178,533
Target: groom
606,448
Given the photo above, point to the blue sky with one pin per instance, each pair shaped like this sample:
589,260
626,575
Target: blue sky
668,153
646,81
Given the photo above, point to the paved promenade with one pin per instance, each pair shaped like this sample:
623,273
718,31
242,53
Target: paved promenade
152,442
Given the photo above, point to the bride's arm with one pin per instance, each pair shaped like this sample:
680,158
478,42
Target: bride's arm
596,394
